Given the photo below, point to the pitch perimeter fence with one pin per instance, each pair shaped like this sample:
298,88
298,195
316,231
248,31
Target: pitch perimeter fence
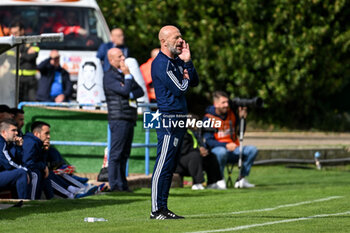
144,106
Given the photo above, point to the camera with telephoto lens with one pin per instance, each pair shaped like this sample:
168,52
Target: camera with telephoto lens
255,102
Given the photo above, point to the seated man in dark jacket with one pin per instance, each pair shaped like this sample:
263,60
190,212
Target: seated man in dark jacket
63,169
35,144
195,159
12,173
54,84
34,159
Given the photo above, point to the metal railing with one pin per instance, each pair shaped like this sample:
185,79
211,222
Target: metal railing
147,145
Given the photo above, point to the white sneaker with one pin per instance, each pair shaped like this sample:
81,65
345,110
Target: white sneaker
221,184
243,183
86,188
197,187
212,186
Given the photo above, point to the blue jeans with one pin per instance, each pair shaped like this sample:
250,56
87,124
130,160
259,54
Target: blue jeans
224,156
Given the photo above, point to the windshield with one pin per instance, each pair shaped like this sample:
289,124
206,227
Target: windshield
82,27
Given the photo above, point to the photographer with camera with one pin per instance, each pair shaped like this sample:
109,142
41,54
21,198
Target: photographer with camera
224,142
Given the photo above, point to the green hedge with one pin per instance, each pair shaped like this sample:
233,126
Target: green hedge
293,54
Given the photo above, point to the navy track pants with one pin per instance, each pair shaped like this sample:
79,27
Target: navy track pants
168,149
15,178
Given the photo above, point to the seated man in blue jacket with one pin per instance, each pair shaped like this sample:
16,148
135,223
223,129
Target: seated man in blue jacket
12,173
64,170
54,84
60,166
34,159
224,143
35,144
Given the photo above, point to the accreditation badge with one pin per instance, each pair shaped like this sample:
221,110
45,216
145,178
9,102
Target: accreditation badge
132,103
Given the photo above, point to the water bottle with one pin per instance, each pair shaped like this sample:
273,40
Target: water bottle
93,219
317,161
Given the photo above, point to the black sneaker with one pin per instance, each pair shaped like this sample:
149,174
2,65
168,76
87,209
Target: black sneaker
158,215
171,215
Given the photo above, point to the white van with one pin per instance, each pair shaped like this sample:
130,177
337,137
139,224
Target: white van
51,16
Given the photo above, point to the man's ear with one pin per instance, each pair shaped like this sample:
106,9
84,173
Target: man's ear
36,134
215,103
162,41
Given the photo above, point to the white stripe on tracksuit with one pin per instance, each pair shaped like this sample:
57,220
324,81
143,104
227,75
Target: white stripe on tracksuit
173,78
9,159
182,86
61,189
158,170
73,181
34,182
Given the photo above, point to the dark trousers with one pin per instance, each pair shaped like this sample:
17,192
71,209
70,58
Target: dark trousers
168,149
59,184
212,168
15,178
122,133
36,184
39,184
193,164
27,88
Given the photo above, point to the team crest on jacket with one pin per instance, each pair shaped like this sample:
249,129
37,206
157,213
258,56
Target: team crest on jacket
176,140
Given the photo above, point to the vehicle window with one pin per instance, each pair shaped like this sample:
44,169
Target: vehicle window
82,27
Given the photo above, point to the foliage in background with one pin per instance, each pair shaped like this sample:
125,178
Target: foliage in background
293,54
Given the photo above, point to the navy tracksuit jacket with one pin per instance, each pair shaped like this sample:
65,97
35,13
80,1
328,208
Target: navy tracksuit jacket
170,88
12,172
34,157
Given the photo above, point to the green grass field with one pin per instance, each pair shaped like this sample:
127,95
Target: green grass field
285,200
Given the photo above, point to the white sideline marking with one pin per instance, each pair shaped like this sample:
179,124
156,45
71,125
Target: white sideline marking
272,223
269,209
